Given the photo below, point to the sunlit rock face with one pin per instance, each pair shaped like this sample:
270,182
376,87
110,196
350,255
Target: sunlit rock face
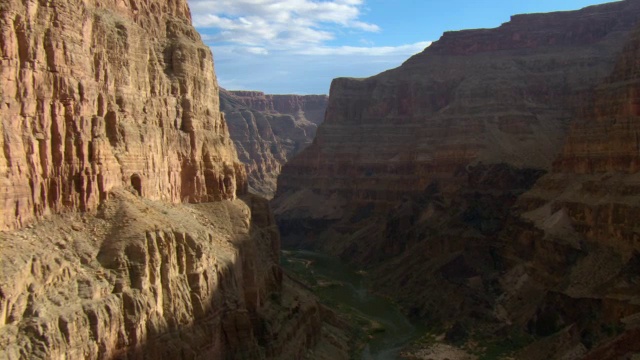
268,130
489,183
102,94
125,230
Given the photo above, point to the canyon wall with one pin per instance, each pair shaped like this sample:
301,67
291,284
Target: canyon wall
508,101
488,184
125,227
149,280
101,94
268,130
589,202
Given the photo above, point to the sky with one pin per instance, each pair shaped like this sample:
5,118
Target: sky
299,46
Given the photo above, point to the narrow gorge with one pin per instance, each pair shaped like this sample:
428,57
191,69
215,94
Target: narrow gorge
478,202
268,130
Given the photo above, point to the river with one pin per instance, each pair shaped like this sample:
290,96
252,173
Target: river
341,287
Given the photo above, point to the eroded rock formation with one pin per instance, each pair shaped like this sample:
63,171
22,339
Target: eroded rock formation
432,175
504,102
101,94
589,203
149,280
268,130
125,230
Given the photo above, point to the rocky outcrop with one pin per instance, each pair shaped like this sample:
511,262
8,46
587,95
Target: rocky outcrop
304,108
102,94
149,280
421,126
125,230
268,130
449,179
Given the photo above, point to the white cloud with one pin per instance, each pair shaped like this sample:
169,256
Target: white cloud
256,50
282,72
288,46
408,49
277,23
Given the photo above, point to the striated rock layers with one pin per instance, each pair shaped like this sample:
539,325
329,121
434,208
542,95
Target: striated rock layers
502,95
432,175
101,94
149,280
590,203
112,245
268,130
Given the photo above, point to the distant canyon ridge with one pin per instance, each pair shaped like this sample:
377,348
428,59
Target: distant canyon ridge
268,130
490,184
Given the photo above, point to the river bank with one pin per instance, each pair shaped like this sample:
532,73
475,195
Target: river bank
383,330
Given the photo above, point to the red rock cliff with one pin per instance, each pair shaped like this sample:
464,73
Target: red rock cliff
302,107
432,176
594,179
109,122
449,106
102,94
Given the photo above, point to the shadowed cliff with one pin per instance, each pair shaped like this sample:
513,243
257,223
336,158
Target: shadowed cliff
446,178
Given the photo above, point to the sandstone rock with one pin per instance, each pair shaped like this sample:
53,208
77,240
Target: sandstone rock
304,108
420,126
595,186
268,130
594,179
148,280
422,173
110,125
103,94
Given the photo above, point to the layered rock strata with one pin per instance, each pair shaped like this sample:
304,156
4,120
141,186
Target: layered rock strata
590,200
101,94
507,99
304,108
432,176
268,130
148,280
122,231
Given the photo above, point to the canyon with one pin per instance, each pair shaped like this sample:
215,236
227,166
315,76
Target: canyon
489,185
268,130
126,227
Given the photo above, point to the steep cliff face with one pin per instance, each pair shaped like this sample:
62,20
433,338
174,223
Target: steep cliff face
590,203
594,178
149,280
433,176
506,99
112,243
304,108
101,94
268,130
